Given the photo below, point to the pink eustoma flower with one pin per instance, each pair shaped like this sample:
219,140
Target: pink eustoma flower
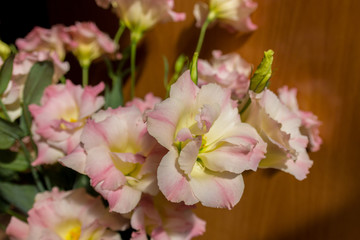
309,122
141,15
161,220
67,215
144,105
231,14
59,120
280,128
119,156
23,62
229,71
208,146
87,42
41,39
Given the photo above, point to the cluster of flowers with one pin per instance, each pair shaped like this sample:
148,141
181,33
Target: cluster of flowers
153,159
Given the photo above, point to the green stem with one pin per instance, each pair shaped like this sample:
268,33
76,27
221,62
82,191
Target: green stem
208,20
34,173
46,179
15,214
4,111
119,32
132,65
193,66
85,75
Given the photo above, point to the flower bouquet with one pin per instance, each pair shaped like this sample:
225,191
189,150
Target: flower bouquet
85,162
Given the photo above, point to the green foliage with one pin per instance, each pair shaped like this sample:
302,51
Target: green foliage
21,196
6,141
6,73
8,175
15,161
11,130
262,75
39,78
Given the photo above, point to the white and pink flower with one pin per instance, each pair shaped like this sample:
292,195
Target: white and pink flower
161,219
309,122
280,128
208,145
67,215
59,120
229,71
41,39
119,156
232,14
87,42
23,62
140,15
144,105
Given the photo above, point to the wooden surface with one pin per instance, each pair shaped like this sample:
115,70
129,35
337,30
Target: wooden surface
317,50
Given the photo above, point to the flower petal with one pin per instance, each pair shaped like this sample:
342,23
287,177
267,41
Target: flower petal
172,183
220,190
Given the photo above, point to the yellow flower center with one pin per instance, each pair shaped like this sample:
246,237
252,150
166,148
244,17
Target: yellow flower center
73,234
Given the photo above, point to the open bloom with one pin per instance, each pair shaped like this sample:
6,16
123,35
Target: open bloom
280,128
144,105
59,120
208,145
23,62
232,14
87,42
41,39
161,219
67,215
140,15
309,122
119,156
229,71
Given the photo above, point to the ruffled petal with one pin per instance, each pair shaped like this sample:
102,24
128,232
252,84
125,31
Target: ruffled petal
219,190
172,183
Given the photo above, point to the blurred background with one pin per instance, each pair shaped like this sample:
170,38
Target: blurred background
317,50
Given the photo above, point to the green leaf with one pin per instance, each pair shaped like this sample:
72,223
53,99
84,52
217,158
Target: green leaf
6,73
4,206
8,175
6,141
21,196
262,75
13,161
39,78
10,129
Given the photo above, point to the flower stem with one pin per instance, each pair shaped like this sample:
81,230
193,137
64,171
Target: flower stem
119,32
134,42
209,19
85,75
193,66
34,173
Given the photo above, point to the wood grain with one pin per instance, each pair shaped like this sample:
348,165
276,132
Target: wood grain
317,50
